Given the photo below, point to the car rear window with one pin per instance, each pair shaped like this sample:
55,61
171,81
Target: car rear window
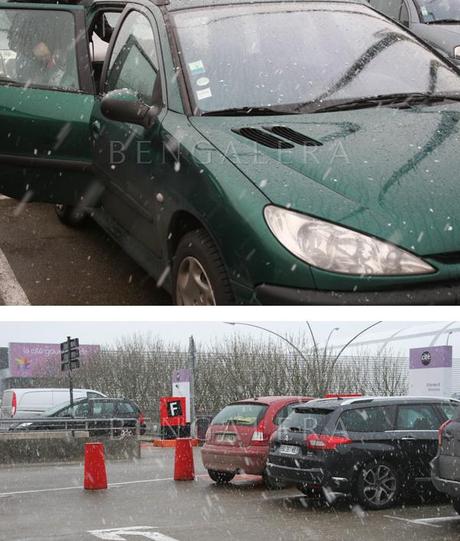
241,414
377,419
307,419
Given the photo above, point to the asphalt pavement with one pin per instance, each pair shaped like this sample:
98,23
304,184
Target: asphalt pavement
43,262
144,502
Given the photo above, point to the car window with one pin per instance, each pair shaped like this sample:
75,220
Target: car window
103,409
283,414
289,57
134,62
126,408
449,409
307,419
417,417
37,48
241,414
377,419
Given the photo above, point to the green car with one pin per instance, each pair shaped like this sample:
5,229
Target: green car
265,152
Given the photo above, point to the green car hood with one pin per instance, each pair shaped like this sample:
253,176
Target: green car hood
393,173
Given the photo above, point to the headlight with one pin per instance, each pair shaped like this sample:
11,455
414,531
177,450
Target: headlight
338,249
457,52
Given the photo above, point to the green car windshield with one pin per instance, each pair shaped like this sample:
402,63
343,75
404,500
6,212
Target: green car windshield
286,54
433,11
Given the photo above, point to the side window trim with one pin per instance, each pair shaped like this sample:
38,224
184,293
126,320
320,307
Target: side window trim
125,14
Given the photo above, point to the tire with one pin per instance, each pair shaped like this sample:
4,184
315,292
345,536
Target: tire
456,504
199,275
70,216
378,486
221,477
271,483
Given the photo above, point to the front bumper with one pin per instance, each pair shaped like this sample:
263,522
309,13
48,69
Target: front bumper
251,460
427,294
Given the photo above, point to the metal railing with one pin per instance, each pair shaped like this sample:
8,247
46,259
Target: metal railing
115,428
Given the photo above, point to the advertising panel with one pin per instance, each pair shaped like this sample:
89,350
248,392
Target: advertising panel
28,360
430,371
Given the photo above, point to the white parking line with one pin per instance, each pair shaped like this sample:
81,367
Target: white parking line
433,522
11,291
111,485
120,534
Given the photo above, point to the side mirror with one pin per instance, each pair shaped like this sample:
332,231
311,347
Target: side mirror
125,106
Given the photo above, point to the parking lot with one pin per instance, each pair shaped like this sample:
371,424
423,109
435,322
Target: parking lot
143,501
44,262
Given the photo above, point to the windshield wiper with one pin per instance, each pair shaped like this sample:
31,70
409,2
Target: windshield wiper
248,111
387,99
444,21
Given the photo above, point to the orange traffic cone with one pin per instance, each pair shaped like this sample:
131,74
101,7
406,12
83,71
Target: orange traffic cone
183,461
95,474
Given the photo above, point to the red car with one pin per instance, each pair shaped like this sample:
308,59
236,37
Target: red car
238,438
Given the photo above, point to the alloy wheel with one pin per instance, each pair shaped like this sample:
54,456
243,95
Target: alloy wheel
193,286
379,485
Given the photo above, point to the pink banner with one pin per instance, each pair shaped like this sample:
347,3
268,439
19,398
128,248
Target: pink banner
40,360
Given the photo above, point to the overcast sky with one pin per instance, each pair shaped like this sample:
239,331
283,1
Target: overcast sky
406,334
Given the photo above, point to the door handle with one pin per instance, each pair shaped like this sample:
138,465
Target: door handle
408,438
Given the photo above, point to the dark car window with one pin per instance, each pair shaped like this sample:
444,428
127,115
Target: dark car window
103,408
449,409
391,8
241,414
37,48
377,419
284,413
307,419
417,417
438,11
134,62
127,408
288,55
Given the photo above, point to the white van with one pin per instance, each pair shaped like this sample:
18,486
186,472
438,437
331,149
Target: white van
34,401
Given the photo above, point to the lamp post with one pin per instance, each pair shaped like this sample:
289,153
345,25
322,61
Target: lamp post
353,339
281,337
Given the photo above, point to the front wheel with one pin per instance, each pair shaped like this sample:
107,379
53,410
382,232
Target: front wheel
199,275
221,477
456,504
378,486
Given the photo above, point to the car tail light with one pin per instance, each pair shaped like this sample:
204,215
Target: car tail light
14,405
441,431
141,418
324,442
259,437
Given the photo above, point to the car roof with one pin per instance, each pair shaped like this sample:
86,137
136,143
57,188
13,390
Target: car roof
269,400
334,403
174,5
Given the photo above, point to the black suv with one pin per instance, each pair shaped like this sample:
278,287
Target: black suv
445,466
100,416
375,449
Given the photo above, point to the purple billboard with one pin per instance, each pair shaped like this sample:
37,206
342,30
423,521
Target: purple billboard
40,360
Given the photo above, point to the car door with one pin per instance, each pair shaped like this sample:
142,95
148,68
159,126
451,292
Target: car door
130,157
417,436
46,100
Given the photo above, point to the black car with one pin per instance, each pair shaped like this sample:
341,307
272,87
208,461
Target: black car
445,466
375,449
100,416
